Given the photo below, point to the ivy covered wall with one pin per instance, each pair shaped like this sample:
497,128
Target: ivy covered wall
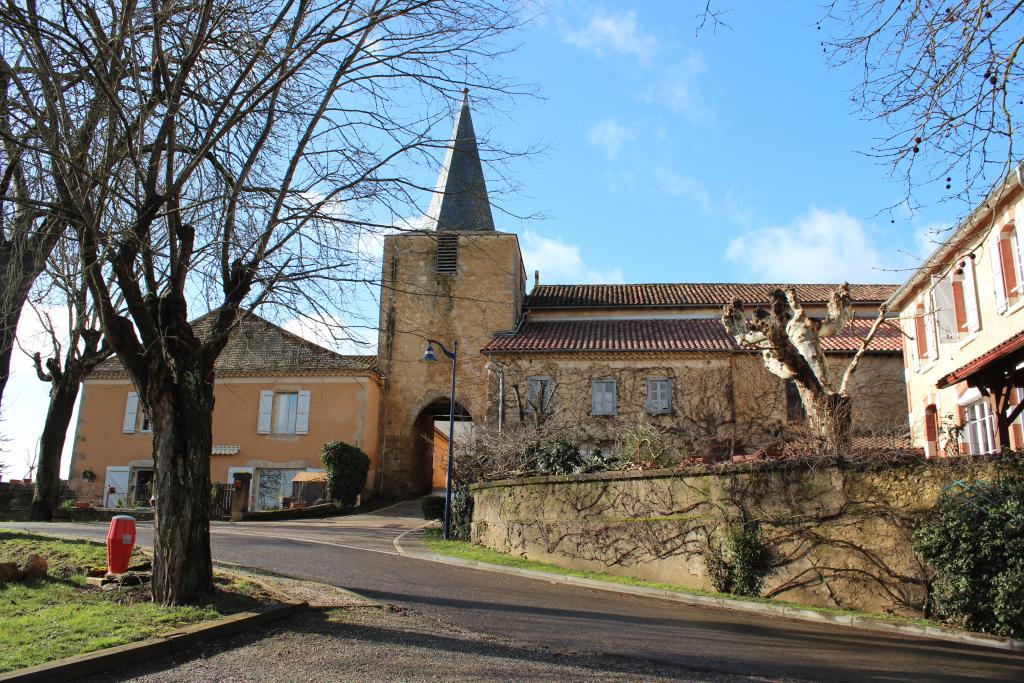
837,535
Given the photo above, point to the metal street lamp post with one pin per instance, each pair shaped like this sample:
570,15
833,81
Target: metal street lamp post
430,358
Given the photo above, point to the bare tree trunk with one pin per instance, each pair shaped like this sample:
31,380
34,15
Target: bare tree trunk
46,494
181,402
830,417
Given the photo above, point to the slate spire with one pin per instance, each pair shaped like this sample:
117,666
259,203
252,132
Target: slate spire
460,201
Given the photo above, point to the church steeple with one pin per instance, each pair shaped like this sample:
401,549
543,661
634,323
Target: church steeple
460,201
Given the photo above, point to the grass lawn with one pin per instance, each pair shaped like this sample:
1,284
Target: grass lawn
467,551
60,615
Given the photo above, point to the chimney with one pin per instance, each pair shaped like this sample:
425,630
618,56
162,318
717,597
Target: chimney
536,278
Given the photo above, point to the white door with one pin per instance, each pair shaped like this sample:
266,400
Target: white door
115,487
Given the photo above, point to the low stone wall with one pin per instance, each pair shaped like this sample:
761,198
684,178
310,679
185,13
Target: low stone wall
840,535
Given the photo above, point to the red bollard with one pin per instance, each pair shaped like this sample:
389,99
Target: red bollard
120,543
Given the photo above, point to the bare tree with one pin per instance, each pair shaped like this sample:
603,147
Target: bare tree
945,76
790,344
224,155
76,348
28,228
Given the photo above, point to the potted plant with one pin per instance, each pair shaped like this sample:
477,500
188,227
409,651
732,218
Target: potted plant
88,475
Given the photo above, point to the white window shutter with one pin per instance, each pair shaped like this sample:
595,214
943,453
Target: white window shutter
971,296
266,410
302,414
131,412
997,270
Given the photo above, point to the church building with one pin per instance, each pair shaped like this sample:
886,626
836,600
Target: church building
602,356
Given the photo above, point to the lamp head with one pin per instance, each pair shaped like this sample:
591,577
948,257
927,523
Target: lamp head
429,357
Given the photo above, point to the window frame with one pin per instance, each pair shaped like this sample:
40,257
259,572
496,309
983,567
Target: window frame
277,406
979,427
614,397
666,407
547,388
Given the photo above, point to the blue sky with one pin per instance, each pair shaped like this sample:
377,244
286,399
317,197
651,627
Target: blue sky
725,156
730,155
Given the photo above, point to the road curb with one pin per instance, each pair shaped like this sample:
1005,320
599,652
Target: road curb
848,620
136,653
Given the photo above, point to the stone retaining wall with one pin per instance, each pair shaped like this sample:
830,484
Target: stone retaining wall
840,534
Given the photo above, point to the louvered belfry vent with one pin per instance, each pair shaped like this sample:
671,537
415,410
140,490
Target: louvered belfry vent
447,253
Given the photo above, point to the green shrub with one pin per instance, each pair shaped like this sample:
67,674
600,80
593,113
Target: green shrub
564,457
462,512
347,467
741,566
433,507
974,540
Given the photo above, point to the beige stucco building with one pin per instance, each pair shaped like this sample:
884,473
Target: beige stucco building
608,355
963,315
278,399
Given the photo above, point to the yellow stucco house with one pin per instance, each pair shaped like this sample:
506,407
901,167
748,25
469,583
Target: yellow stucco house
962,313
607,354
279,398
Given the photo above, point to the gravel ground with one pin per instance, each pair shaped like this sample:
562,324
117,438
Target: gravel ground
345,637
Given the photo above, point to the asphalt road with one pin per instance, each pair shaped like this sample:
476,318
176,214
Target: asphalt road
357,553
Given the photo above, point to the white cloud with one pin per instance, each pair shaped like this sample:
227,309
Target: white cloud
562,263
676,89
610,136
614,32
820,246
678,185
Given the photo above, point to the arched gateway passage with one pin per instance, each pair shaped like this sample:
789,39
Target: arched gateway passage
430,442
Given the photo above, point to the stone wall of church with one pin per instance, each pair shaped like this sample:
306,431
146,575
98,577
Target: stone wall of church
719,402
483,296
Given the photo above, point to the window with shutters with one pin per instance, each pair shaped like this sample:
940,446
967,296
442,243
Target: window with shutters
944,309
965,297
602,397
659,396
447,253
1001,250
283,412
135,418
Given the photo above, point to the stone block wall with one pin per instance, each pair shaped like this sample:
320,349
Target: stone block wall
840,535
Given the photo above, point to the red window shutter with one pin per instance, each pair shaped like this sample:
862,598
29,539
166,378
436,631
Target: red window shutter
959,307
1009,268
931,428
919,334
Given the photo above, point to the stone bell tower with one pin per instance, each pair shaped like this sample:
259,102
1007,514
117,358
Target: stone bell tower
458,279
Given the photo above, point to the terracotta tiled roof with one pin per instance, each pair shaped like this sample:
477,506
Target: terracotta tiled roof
687,294
581,336
258,346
